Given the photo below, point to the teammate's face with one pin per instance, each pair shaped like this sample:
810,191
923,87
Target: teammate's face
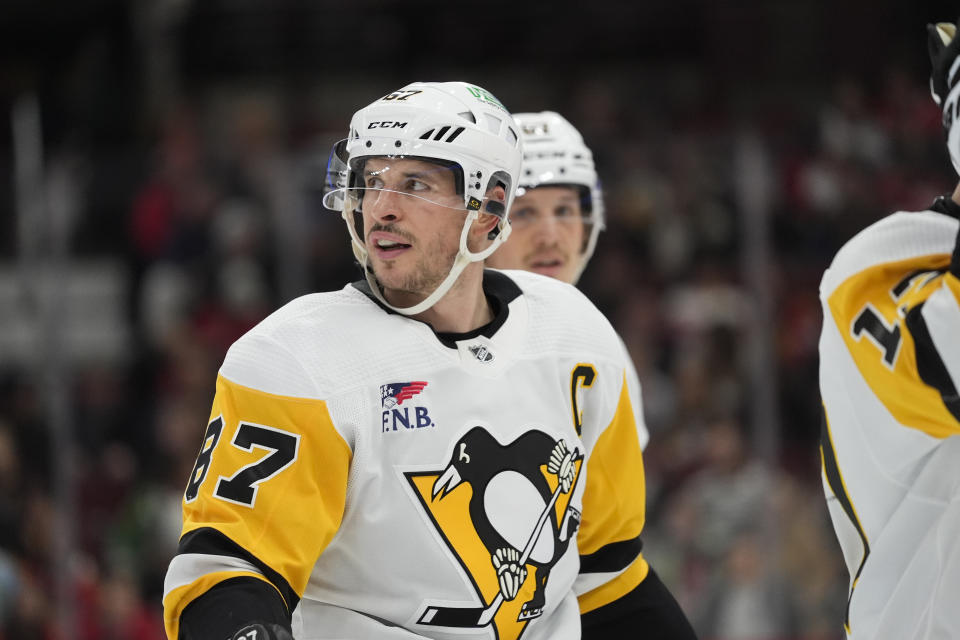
412,220
548,233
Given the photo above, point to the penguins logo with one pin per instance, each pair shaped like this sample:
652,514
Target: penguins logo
505,513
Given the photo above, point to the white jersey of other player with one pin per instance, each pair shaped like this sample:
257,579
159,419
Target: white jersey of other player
889,369
397,483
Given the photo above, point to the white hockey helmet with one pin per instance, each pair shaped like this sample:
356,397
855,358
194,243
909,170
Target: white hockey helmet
456,124
554,155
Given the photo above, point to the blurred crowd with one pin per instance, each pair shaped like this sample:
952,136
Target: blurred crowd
212,219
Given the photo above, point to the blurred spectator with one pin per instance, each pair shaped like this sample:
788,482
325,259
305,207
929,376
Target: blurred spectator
746,600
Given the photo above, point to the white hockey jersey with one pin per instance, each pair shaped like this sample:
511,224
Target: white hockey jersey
379,475
889,368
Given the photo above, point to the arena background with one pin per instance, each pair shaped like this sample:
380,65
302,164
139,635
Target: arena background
160,168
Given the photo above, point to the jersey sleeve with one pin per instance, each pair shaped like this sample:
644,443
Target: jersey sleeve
614,502
888,371
267,492
633,385
940,321
897,314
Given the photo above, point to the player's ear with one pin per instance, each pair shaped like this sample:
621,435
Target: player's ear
485,223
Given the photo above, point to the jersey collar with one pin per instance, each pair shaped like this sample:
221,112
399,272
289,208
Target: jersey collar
500,291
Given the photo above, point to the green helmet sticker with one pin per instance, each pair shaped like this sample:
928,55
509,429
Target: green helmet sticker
485,96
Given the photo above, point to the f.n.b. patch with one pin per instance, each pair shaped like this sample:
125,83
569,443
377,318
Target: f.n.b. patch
395,393
394,416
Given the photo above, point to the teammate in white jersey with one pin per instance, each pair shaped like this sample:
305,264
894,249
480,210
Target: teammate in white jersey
556,218
889,374
437,452
558,212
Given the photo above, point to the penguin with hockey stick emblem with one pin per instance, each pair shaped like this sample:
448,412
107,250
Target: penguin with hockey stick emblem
507,480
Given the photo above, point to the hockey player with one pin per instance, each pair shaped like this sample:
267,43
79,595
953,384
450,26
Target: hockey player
434,451
558,212
556,218
889,373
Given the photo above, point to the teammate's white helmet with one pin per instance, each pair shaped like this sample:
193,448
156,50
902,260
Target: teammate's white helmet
456,124
554,155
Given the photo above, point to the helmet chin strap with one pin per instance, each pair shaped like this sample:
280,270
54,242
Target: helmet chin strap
464,258
587,254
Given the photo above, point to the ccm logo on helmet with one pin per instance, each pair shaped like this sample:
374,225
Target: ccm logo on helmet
386,124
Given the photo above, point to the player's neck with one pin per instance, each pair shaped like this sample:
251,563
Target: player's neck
956,194
464,308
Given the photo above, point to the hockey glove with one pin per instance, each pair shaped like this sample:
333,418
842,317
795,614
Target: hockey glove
259,631
944,49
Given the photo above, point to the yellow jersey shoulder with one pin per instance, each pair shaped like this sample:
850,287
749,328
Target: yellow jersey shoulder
874,293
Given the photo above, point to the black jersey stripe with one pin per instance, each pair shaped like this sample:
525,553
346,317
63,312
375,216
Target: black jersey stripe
955,257
904,284
615,556
212,542
930,365
835,480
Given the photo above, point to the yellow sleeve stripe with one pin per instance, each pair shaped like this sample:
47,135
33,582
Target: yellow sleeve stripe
616,588
894,377
614,500
176,600
297,512
831,470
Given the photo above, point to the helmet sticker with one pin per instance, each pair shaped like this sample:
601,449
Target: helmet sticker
483,95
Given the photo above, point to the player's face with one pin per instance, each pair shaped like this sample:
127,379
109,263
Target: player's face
548,233
412,220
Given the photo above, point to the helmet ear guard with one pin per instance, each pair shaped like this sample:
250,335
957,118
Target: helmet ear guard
502,180
496,208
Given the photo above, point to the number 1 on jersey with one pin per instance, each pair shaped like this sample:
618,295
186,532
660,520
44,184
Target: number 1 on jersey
886,337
